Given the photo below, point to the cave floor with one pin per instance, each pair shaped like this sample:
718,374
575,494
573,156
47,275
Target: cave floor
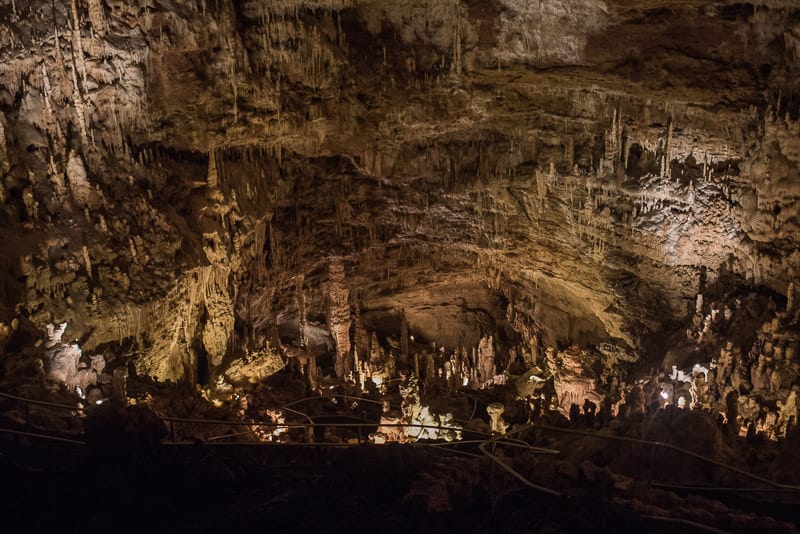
201,488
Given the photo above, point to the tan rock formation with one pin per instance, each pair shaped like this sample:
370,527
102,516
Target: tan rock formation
559,169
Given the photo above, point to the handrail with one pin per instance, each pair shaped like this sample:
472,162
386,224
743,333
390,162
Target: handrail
39,402
334,395
41,436
723,489
482,447
265,423
555,493
508,440
298,412
513,472
494,441
686,522
670,447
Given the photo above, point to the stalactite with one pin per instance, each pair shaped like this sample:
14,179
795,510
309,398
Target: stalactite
46,92
456,67
569,151
77,44
97,17
234,87
79,108
65,84
626,154
87,262
541,185
668,150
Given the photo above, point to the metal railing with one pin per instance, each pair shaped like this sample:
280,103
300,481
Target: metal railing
483,445
668,446
487,446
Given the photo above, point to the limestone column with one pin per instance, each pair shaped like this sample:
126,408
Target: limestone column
339,316
403,339
361,337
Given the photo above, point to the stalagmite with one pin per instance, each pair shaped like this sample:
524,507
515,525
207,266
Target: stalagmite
360,337
485,364
300,303
339,316
212,179
498,424
31,204
3,161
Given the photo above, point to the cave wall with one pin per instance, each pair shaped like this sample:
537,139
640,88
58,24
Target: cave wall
169,168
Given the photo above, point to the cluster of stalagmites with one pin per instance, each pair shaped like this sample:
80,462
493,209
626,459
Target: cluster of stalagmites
58,364
737,358
753,387
414,420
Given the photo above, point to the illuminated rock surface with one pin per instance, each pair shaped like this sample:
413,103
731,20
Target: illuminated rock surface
565,206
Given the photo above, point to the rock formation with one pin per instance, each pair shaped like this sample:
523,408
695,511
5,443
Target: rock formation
427,147
189,183
563,207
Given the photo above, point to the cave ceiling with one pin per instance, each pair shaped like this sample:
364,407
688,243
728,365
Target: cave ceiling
184,173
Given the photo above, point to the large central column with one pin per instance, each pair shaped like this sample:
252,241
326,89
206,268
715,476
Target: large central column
339,316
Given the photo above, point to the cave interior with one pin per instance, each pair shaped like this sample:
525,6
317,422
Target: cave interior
436,265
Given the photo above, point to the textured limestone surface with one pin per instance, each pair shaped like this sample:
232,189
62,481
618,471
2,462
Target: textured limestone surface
186,181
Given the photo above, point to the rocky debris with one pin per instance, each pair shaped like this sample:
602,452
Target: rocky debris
423,423
573,381
117,431
745,356
5,333
441,487
254,367
63,365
